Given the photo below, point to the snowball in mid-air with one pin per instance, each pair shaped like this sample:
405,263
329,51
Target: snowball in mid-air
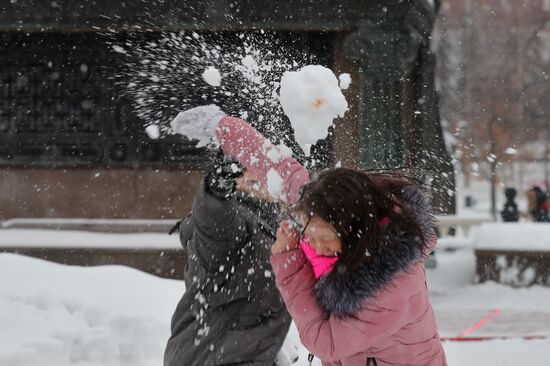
212,76
198,123
345,80
311,99
152,131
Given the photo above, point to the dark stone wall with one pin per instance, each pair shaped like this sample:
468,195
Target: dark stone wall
70,15
166,263
94,193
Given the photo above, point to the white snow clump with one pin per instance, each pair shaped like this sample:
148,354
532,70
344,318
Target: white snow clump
311,99
212,76
152,131
345,80
198,123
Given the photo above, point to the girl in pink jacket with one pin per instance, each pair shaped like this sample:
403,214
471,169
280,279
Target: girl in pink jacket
352,276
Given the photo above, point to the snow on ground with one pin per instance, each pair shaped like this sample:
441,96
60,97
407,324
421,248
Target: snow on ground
513,236
498,352
60,315
452,286
80,239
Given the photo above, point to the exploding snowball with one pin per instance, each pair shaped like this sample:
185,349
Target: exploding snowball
198,123
311,99
274,183
212,76
153,131
345,81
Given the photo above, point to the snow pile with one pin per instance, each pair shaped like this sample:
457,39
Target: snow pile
513,236
212,76
312,99
56,315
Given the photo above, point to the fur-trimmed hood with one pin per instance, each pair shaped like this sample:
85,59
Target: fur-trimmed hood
342,292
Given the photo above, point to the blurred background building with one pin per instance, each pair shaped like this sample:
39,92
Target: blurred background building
71,144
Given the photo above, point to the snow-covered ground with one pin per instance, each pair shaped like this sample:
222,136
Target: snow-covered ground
44,238
60,315
57,315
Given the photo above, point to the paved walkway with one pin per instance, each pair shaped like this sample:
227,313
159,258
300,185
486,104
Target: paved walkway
489,323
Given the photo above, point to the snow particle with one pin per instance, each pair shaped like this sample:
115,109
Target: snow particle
153,131
119,49
345,81
212,76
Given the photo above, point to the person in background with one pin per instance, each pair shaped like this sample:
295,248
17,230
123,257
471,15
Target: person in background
231,312
349,267
538,205
510,212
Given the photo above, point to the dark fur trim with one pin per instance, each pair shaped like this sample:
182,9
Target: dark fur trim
343,293
419,202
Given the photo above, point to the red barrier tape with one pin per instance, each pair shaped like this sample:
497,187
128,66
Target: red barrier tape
490,338
493,314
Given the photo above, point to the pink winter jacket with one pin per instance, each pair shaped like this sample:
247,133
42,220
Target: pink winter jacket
240,140
396,327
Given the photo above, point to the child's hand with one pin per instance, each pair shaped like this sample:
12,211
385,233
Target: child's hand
287,238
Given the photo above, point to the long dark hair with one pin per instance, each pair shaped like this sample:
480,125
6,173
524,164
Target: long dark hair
366,211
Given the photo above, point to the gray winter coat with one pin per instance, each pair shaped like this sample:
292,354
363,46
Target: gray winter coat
231,312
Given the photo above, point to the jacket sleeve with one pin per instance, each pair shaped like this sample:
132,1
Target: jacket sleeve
258,155
329,337
219,227
185,230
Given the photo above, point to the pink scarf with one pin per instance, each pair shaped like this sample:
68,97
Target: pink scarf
321,264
